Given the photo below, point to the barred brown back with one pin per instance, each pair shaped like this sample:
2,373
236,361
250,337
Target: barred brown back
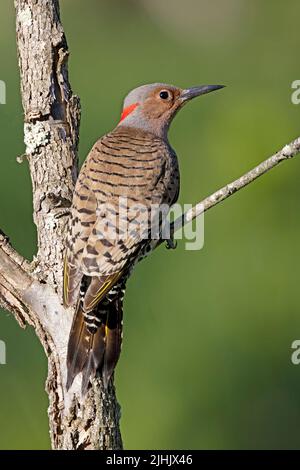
126,164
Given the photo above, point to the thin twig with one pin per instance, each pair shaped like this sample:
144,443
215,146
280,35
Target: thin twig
287,152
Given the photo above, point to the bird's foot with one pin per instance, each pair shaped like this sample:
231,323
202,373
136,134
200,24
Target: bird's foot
171,244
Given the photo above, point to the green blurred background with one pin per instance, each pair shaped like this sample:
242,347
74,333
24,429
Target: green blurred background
206,356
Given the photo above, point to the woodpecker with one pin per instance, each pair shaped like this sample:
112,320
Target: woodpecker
127,172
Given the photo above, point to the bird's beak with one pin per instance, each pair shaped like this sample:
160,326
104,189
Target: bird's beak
191,93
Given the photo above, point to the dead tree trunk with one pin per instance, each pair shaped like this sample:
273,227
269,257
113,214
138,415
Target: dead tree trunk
32,291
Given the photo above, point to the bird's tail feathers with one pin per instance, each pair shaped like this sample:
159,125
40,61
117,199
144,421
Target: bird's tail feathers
98,351
113,339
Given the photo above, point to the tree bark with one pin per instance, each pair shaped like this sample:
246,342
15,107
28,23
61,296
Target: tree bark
33,291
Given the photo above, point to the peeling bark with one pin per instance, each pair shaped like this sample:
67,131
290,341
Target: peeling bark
51,127
32,292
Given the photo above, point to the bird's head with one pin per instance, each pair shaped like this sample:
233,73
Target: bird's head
152,107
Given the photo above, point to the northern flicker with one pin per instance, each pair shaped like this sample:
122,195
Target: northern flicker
136,164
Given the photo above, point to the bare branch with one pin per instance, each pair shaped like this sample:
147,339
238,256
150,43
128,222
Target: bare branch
14,280
287,152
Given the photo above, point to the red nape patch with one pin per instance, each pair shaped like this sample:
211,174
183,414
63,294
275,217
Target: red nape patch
128,110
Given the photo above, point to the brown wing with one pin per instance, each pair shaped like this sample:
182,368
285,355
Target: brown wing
83,216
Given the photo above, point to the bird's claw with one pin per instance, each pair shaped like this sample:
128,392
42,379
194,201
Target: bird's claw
171,244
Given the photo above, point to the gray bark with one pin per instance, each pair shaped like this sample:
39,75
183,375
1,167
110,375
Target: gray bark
33,291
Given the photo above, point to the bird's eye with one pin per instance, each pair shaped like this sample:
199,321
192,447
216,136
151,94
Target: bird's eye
164,95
